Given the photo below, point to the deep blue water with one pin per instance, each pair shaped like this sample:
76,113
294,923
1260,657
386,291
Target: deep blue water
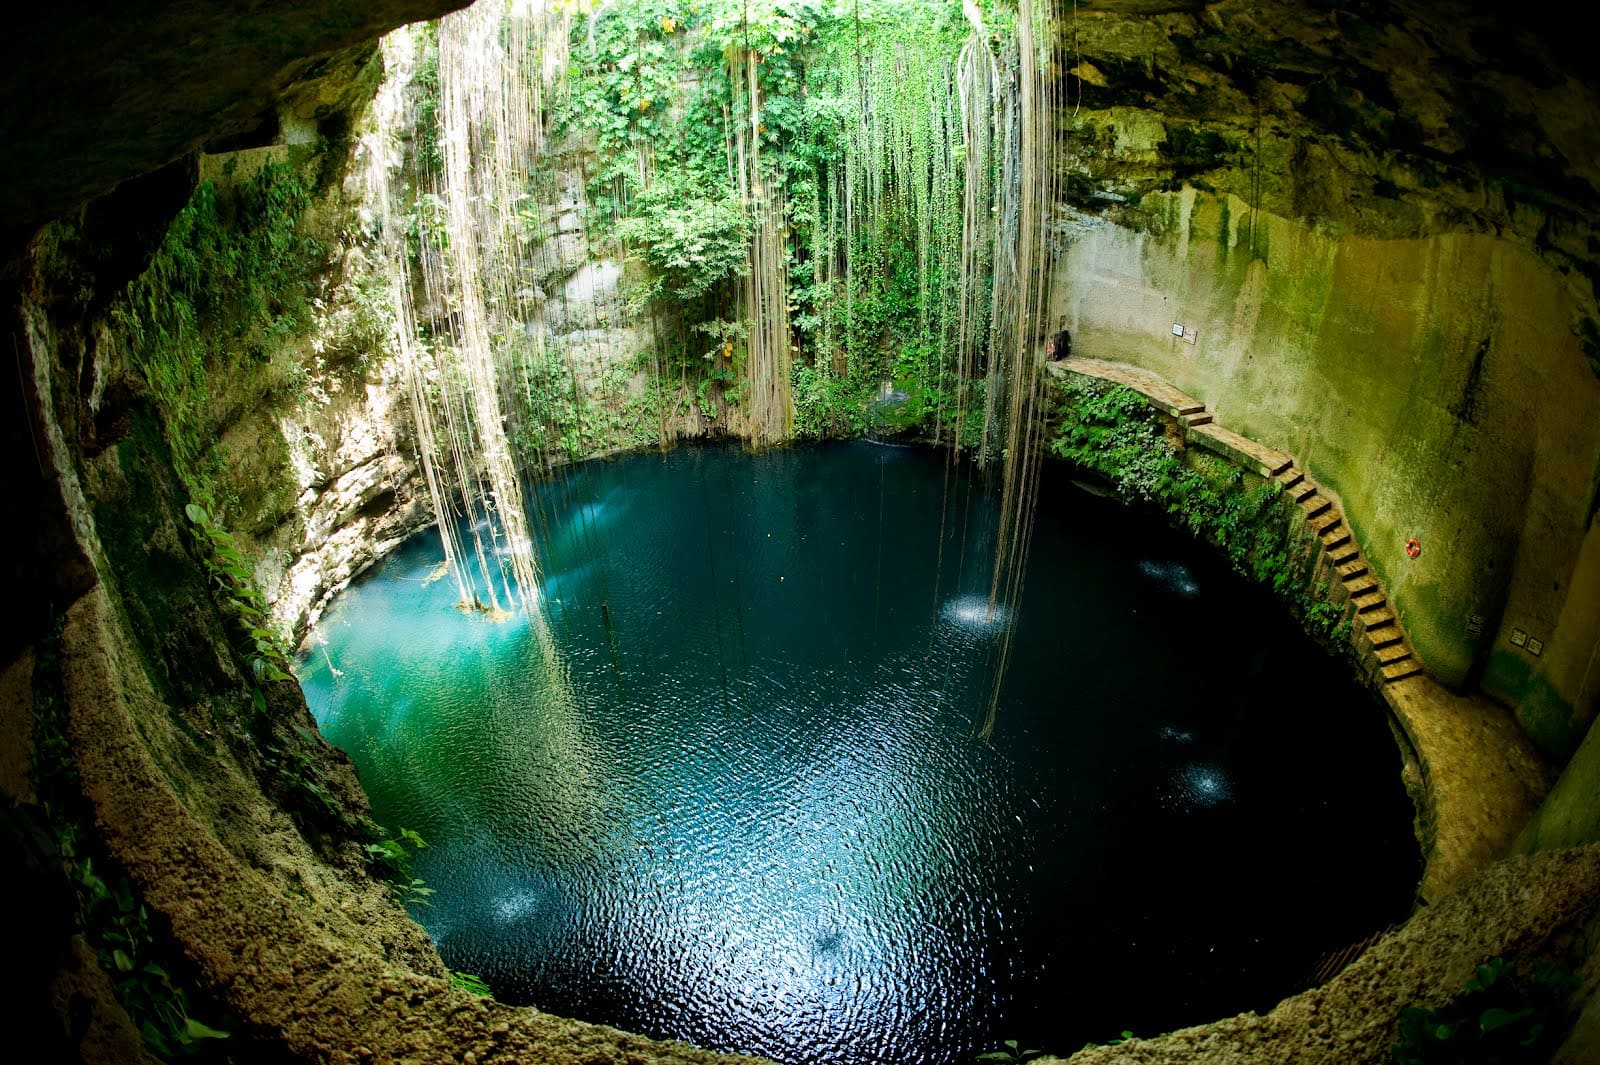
739,799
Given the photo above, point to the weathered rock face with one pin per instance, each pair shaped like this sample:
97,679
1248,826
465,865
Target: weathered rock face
103,92
1395,119
360,494
309,456
1384,248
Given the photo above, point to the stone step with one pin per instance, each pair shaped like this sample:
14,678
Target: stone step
1392,652
1321,523
1401,670
1376,619
1317,504
1341,554
1370,601
1246,452
1354,568
1361,584
1157,391
1338,536
1387,636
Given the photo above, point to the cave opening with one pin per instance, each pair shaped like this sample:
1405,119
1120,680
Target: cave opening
1312,286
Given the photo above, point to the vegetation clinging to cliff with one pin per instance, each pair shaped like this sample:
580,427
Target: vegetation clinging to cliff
1111,431
858,130
216,317
61,852
230,285
832,202
220,319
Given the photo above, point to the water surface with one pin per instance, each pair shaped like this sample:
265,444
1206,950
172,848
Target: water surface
737,798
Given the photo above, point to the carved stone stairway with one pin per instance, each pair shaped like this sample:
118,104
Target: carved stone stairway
1380,641
1375,630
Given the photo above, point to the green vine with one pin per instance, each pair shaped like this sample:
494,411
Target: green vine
851,94
390,858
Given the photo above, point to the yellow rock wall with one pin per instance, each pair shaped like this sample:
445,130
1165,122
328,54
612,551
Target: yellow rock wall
1434,385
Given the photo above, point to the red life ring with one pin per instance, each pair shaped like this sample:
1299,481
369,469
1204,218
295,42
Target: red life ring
1413,549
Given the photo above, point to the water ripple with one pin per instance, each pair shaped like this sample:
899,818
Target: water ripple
753,814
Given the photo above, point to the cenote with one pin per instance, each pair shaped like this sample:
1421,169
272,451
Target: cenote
738,796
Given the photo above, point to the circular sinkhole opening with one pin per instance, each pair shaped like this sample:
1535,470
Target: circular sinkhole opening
736,793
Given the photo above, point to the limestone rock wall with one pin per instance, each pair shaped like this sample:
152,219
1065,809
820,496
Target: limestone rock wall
1434,383
1376,230
360,494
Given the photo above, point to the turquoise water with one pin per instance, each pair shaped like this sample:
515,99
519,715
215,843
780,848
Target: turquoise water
736,798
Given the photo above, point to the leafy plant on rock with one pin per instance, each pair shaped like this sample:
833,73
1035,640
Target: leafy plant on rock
1111,431
1013,1054
390,858
694,237
1505,1014
232,578
472,985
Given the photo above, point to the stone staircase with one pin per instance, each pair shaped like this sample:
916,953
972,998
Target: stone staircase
1375,631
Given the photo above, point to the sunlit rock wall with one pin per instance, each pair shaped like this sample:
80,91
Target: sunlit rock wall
1377,229
1434,384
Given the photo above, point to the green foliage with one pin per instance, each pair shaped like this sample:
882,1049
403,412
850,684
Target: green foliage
1113,432
627,63
554,416
1013,1054
695,236
105,906
876,284
158,1006
427,223
827,406
390,857
1506,1014
661,87
232,578
228,289
1126,1035
473,985
294,773
292,769
427,152
357,330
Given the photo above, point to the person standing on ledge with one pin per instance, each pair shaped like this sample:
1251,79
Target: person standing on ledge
1059,346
